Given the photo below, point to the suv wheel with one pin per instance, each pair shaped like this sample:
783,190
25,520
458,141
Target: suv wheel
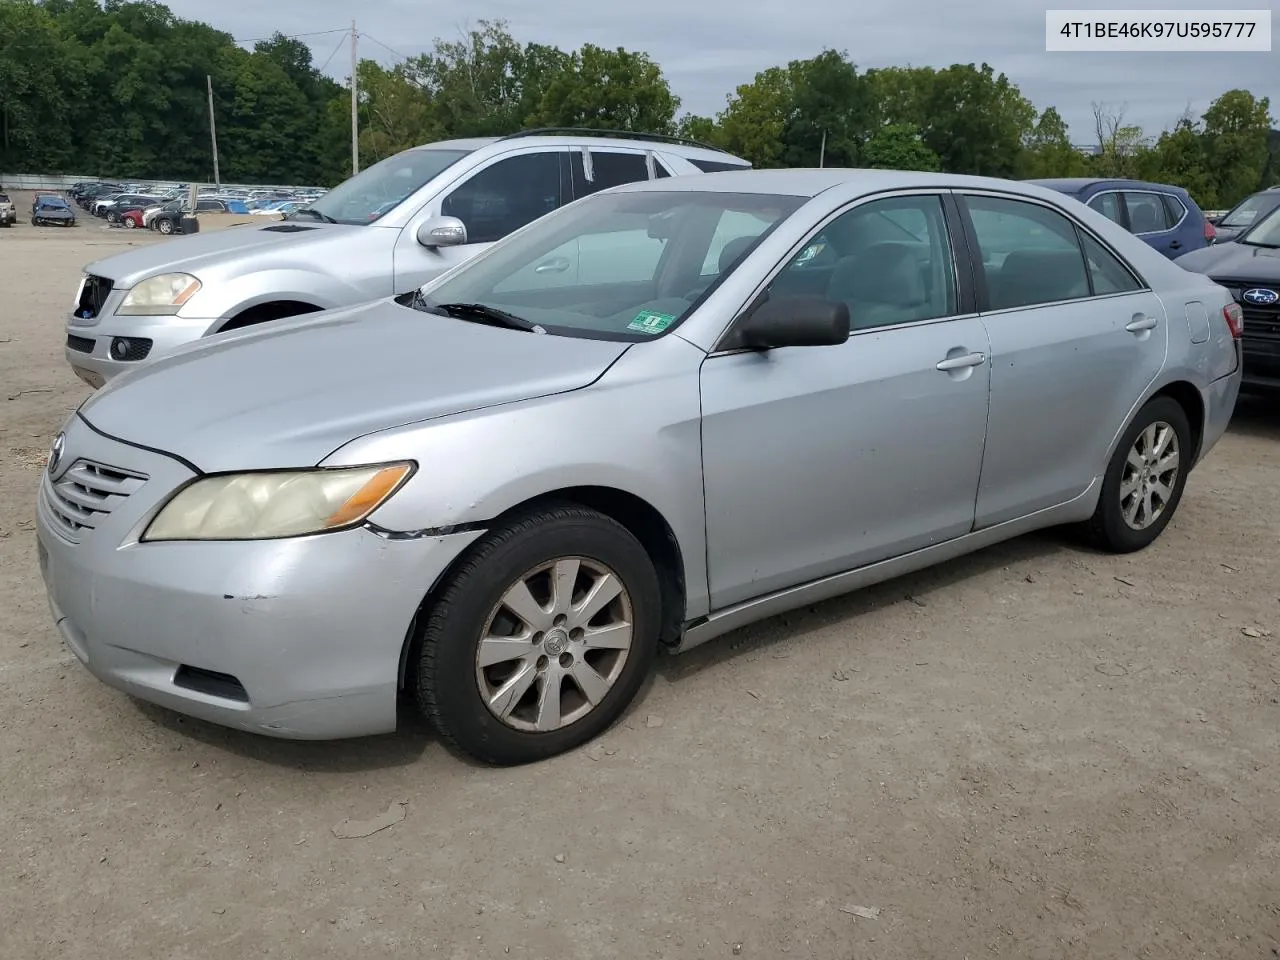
541,638
165,226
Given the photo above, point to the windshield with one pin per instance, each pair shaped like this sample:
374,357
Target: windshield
1251,208
1266,233
624,266
375,192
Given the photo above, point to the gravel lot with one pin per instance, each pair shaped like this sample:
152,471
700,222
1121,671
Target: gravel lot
1035,752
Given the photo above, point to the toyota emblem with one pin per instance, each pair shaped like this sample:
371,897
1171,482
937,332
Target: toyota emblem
55,452
1261,296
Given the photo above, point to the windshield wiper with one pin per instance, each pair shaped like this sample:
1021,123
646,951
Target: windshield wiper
1255,243
314,213
485,314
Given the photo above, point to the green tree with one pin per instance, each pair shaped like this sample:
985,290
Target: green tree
703,129
1236,127
41,81
1178,156
1048,152
608,89
753,122
830,113
977,121
898,146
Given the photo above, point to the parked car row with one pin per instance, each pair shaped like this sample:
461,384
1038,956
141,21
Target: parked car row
8,211
599,336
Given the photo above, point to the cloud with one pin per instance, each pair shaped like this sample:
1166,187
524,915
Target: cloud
708,50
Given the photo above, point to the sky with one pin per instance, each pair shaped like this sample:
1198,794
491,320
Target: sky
705,52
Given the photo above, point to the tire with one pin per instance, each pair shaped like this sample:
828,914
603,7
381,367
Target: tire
129,224
165,227
528,550
1109,529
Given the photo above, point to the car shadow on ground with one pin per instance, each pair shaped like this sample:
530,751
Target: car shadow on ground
848,609
401,748
1257,415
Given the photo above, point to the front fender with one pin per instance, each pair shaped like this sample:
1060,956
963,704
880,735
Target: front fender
227,298
637,430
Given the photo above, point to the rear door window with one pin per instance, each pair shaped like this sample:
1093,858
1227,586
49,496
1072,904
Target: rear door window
609,168
1147,212
1108,204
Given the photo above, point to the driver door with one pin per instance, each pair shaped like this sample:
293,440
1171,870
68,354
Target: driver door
818,460
495,200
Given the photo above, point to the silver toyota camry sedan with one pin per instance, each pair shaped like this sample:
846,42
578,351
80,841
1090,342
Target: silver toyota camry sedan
658,414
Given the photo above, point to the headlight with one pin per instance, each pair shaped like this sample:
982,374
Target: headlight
269,505
160,295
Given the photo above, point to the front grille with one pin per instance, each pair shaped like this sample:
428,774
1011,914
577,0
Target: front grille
83,344
83,496
1262,322
93,296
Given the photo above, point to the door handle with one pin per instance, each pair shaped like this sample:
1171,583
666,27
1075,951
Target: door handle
1138,324
1175,245
959,363
558,265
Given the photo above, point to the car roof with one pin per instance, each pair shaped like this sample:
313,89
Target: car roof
811,182
1075,184
673,145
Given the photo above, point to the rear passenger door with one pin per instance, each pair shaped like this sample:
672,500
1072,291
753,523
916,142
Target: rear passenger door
1076,338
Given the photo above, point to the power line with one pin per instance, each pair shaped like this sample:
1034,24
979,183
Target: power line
294,36
391,50
341,43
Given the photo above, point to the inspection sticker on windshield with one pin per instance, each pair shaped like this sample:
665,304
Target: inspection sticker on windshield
650,321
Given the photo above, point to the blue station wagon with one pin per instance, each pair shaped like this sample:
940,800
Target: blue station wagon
1165,217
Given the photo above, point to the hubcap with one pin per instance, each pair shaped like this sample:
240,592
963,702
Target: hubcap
555,644
1150,475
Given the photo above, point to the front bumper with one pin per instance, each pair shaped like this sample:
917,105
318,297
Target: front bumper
88,348
298,638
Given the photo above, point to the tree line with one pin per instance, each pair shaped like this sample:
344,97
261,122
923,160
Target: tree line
118,88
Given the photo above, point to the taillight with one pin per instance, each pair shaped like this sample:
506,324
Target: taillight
1235,319
1210,232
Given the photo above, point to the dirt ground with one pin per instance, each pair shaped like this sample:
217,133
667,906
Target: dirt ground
1035,752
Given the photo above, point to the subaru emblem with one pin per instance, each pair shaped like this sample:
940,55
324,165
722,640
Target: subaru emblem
55,452
1261,296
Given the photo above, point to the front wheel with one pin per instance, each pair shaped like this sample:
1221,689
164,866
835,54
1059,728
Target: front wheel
130,223
542,638
165,226
1145,479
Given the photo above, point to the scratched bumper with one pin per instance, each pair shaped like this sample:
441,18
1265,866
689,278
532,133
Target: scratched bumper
297,638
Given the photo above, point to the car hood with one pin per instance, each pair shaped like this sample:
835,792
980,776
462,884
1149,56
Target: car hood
1235,261
194,252
289,393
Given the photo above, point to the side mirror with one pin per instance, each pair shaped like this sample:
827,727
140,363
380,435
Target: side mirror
802,321
442,232
1215,220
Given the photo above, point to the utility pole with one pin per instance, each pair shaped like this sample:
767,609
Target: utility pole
822,152
355,102
213,135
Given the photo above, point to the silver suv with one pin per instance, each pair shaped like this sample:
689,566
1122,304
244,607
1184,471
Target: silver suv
386,231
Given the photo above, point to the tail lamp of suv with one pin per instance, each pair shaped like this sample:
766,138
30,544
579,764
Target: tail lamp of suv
1210,232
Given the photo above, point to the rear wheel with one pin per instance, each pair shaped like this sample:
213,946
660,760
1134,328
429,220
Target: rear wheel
130,223
542,638
1145,479
165,226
